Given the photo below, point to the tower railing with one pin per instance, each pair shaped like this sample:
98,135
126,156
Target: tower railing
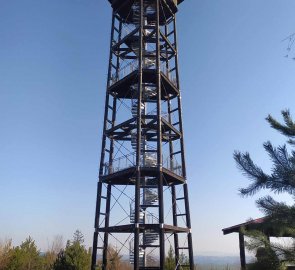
124,71
149,160
120,164
133,65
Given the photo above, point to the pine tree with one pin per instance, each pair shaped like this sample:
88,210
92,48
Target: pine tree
78,237
75,256
279,216
170,260
61,262
25,257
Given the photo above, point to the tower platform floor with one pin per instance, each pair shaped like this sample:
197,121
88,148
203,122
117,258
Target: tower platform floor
143,227
127,176
122,88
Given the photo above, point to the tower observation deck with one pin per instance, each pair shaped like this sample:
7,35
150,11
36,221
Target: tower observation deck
142,207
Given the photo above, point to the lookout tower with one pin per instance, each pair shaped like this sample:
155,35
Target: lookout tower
142,208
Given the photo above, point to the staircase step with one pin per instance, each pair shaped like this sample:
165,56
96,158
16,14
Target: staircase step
150,246
149,205
150,268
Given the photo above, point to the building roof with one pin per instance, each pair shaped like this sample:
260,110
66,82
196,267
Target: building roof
258,224
247,225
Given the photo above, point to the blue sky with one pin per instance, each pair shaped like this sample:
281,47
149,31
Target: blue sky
53,64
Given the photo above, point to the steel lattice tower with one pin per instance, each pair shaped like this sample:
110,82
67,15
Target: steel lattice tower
142,207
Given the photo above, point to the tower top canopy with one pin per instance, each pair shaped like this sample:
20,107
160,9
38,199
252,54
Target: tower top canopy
123,7
116,2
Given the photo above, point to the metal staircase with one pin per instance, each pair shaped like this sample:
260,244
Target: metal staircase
149,237
141,254
149,196
134,107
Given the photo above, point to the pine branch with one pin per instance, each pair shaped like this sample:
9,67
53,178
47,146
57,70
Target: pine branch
288,119
282,178
255,240
276,253
278,155
267,204
283,171
288,129
248,168
280,216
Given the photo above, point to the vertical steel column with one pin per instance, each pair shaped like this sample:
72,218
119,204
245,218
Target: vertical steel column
138,147
187,208
114,107
188,221
175,223
96,224
98,199
173,190
168,101
94,252
179,101
107,100
106,234
159,139
111,155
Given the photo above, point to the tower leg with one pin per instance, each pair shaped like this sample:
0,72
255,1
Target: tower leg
188,222
175,223
106,234
94,251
